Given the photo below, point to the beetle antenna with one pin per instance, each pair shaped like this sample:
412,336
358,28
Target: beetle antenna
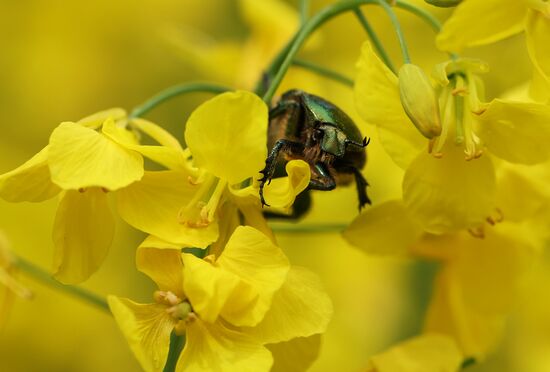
363,144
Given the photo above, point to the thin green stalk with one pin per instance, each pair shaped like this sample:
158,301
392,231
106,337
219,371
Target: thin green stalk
421,13
307,229
313,24
304,10
176,346
323,71
44,277
397,27
174,91
374,38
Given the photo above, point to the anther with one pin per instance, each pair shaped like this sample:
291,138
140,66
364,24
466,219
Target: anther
477,232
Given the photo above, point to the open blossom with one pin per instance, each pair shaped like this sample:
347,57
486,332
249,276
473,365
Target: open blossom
501,19
229,307
449,183
481,277
226,141
84,162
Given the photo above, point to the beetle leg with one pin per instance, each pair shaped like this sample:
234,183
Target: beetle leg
361,184
271,161
325,182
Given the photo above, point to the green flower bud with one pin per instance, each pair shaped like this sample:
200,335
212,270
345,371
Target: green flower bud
443,3
419,100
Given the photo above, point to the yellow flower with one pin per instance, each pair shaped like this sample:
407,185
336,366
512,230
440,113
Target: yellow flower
482,272
500,19
227,145
84,161
428,352
228,307
443,191
9,286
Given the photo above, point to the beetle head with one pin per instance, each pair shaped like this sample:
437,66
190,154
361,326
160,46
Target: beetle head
333,141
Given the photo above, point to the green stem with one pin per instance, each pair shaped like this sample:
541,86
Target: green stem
304,10
313,24
176,346
175,91
44,277
397,27
374,38
323,71
421,13
307,229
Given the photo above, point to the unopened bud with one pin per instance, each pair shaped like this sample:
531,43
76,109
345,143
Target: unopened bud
419,100
443,3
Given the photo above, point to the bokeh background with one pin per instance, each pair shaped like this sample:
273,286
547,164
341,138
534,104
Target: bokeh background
64,60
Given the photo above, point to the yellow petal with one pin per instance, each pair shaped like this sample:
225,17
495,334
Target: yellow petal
429,352
282,192
153,205
30,181
478,285
207,287
82,233
449,193
537,30
170,156
384,229
500,19
95,121
260,264
147,329
227,136
80,157
159,134
214,347
378,102
163,266
301,308
539,90
296,355
518,132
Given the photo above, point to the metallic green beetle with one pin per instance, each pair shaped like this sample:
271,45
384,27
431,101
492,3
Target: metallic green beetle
307,127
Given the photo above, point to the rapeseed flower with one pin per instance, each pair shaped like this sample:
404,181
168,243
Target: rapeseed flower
83,162
226,141
501,19
229,306
442,190
482,272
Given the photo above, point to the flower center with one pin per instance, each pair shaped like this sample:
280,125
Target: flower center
200,211
458,101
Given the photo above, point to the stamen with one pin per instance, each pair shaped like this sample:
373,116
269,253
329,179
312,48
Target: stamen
477,232
166,298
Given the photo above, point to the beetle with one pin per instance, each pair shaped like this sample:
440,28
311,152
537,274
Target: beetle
307,127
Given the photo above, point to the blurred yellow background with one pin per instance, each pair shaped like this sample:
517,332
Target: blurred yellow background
62,60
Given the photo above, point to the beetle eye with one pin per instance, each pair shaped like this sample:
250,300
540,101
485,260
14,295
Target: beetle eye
318,134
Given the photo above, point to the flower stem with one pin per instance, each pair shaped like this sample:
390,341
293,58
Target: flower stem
374,38
176,346
175,91
421,13
397,27
304,10
323,71
44,277
313,24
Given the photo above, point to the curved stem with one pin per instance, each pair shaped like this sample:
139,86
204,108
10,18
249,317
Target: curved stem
397,27
313,24
174,91
323,71
307,229
44,277
304,10
374,38
176,346
421,13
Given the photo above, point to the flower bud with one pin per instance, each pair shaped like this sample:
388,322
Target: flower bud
419,100
443,3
